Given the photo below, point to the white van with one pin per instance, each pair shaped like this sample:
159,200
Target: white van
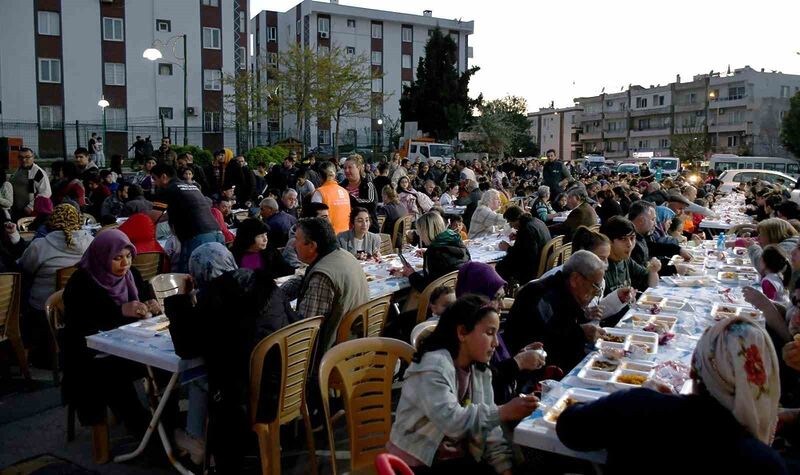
670,166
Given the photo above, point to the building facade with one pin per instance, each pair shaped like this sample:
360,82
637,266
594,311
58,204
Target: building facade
394,43
556,129
740,112
59,57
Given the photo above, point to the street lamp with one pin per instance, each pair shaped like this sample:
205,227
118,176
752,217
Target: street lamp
380,134
103,103
712,96
154,53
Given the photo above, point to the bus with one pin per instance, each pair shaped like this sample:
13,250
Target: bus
722,162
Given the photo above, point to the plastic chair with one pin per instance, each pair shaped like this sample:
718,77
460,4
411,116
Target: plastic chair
399,233
547,251
10,296
371,315
421,331
448,280
296,344
559,256
148,264
167,285
386,244
23,223
381,219
63,275
87,218
54,309
363,370
388,464
27,235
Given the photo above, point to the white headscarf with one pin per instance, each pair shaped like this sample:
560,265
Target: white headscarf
736,362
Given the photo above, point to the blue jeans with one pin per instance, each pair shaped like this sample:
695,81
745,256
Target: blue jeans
188,247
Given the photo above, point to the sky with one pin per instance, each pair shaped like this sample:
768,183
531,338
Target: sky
558,50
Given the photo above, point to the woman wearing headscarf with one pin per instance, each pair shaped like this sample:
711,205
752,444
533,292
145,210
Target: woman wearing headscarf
104,293
725,426
42,209
251,251
235,309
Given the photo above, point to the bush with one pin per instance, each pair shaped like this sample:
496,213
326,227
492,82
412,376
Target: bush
265,155
201,156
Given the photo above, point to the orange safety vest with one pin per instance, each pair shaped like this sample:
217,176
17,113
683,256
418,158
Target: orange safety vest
338,201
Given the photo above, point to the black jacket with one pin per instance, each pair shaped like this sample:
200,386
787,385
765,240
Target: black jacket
647,247
609,208
188,210
522,259
438,261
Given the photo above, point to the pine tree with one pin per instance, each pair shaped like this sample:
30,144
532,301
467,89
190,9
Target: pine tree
790,129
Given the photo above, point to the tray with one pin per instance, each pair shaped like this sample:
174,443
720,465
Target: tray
148,327
649,340
641,320
576,394
724,310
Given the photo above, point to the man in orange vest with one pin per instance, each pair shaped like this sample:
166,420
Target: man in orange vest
336,197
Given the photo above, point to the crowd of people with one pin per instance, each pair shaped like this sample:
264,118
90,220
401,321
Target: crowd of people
475,374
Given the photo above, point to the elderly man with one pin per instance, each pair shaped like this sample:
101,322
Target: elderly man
311,210
582,214
288,202
553,310
336,197
28,182
643,216
279,222
225,207
334,282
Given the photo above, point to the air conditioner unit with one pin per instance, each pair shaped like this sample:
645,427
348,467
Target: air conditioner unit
106,1
323,34
191,111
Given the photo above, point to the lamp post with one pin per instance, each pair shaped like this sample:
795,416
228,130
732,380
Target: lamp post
154,53
380,135
103,103
712,96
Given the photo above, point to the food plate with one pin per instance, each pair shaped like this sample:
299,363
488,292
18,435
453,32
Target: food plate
641,320
628,339
680,281
720,311
740,251
657,304
148,327
571,396
738,261
601,371
736,278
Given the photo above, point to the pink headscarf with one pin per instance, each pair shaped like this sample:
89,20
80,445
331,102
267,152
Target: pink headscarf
97,262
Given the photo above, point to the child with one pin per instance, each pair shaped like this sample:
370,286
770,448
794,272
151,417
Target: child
446,418
188,177
775,273
441,298
456,223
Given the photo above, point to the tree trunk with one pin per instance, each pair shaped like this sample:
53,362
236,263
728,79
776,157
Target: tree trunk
336,137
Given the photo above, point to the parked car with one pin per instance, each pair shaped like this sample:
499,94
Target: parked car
731,178
629,168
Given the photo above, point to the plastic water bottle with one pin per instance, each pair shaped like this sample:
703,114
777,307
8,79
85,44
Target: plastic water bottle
721,242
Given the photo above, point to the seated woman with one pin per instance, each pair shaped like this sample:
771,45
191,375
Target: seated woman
409,197
235,309
486,215
42,209
141,230
251,251
445,252
392,209
447,419
103,294
724,426
358,241
522,259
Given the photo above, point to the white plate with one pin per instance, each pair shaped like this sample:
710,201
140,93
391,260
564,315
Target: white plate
578,394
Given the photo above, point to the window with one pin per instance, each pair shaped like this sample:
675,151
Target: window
609,104
784,91
657,100
737,117
212,79
735,93
641,102
782,115
351,23
323,50
405,84
272,33
644,144
406,61
211,38
164,69
242,57
377,85
377,58
113,29
430,33
212,122
211,3
733,141
324,137
116,119
692,98
165,112
163,25
644,124
663,143
49,24
273,59
377,30
49,70
115,74
50,117
408,34
351,50
324,25
242,22
298,26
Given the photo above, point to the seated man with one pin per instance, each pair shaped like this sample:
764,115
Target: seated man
552,310
582,214
225,207
643,216
279,222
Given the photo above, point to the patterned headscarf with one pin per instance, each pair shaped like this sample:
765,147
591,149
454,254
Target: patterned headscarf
209,261
737,364
65,218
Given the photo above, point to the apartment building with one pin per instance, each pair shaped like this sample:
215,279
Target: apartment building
556,129
741,112
394,42
59,57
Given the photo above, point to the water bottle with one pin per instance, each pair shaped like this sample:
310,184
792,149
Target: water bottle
721,242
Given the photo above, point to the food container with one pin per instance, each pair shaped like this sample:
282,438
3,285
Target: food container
641,320
738,261
629,378
571,396
720,311
656,304
728,277
626,339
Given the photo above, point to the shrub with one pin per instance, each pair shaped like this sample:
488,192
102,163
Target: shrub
201,156
265,155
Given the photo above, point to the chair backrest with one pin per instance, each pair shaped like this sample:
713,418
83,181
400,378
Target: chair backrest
381,219
23,223
364,370
386,244
547,251
166,285
400,227
371,315
559,256
425,297
388,464
421,331
296,344
87,218
10,292
54,310
594,228
27,235
63,275
148,264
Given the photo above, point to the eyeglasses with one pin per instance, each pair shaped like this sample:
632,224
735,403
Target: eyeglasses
597,287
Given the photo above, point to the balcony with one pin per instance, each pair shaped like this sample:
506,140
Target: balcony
591,136
616,114
685,86
651,132
589,116
728,102
744,127
615,134
697,129
616,154
651,111
686,107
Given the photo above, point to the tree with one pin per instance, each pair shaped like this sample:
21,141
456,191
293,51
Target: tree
294,79
438,100
242,104
393,130
691,146
790,128
505,126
